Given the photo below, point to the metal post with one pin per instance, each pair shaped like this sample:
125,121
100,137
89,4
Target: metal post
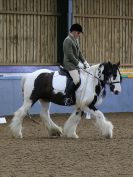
70,14
62,28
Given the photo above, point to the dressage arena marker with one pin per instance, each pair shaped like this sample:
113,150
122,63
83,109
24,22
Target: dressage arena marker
127,73
2,120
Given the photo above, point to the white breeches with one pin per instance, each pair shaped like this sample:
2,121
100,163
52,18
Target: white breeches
75,76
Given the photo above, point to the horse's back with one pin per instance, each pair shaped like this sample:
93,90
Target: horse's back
40,71
28,81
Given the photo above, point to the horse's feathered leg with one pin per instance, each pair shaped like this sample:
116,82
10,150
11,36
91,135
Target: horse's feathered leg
102,123
71,124
53,129
16,124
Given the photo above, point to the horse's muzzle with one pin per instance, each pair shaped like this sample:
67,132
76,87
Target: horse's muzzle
112,87
116,92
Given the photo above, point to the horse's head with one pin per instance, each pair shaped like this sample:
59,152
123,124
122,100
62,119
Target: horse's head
111,75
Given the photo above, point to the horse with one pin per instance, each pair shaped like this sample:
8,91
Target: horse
48,86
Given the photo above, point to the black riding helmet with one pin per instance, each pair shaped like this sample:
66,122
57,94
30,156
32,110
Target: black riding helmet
76,27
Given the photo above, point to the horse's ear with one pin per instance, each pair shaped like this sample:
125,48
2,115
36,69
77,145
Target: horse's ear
109,63
118,64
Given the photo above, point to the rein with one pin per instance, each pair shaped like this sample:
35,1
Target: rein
99,81
90,74
108,83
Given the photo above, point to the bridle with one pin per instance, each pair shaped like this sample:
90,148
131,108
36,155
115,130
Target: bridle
115,82
108,82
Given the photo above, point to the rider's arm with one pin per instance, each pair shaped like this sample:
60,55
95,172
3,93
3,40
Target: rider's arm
81,57
68,52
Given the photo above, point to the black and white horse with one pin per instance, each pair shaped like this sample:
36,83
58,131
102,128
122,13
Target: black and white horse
48,86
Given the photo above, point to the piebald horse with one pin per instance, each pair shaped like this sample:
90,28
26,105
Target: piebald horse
48,86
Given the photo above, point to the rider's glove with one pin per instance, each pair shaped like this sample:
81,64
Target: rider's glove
86,64
81,65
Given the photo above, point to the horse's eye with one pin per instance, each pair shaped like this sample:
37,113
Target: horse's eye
114,76
110,73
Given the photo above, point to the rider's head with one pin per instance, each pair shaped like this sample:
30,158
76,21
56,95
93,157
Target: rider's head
76,30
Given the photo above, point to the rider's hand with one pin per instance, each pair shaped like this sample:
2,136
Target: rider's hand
81,65
86,64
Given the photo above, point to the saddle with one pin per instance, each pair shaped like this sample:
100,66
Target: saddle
64,72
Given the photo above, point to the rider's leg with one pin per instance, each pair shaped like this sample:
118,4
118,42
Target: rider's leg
75,84
72,87
75,76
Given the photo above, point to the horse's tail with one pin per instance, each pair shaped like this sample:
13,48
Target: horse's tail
22,84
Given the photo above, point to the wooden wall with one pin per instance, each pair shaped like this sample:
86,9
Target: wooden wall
108,29
28,32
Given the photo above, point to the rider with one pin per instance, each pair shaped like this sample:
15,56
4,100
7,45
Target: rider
73,58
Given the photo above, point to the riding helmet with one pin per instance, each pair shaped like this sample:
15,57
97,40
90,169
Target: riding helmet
76,27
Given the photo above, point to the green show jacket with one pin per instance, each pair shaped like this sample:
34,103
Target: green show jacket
72,53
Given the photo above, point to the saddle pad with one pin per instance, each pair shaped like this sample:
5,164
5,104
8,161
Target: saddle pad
59,82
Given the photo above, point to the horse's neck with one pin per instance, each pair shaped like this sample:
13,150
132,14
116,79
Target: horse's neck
87,88
89,77
91,72
94,70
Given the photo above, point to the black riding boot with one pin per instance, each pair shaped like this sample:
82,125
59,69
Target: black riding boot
70,93
70,90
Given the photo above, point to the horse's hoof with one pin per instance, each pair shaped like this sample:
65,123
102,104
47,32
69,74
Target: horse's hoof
55,132
74,136
17,135
109,136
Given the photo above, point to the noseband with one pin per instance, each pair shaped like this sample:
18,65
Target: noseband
110,82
